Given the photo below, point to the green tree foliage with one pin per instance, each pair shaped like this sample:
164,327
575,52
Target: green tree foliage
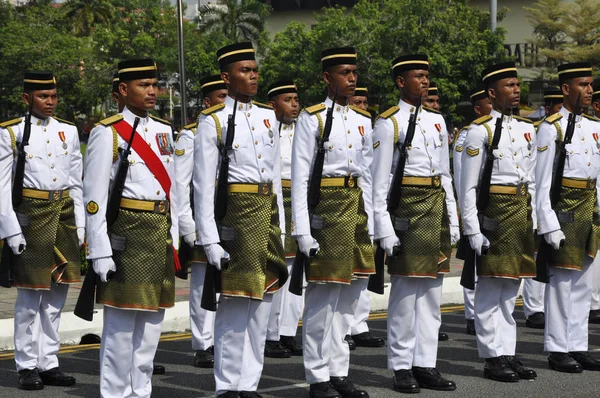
236,19
85,15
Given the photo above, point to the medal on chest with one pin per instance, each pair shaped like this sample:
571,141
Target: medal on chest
595,135
528,138
268,125
63,138
439,129
165,145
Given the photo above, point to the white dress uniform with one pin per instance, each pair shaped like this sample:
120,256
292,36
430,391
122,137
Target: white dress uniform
413,300
240,322
202,322
595,305
54,163
129,337
329,307
568,295
514,164
363,309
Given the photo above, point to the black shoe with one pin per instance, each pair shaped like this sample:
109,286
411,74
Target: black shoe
594,316
365,340
350,341
54,377
536,321
229,394
29,379
158,370
211,349
516,365
404,381
274,349
442,336
323,390
496,369
204,359
471,327
564,362
586,360
345,387
249,394
432,379
291,344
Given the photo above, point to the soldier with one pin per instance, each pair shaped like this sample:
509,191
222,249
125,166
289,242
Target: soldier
432,100
252,232
360,99
427,204
570,226
44,231
595,305
214,92
507,221
346,252
138,246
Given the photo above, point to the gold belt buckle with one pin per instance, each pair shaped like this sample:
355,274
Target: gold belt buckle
264,189
351,182
160,207
436,181
521,189
56,195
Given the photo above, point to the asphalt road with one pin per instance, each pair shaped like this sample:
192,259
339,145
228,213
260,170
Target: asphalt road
457,360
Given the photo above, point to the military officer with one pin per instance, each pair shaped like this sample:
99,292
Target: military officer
44,231
432,100
360,99
346,252
138,247
427,204
571,227
214,92
595,306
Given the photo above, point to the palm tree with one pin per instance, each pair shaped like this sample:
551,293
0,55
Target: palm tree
237,19
86,14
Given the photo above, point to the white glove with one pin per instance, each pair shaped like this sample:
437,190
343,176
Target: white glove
388,244
190,239
214,254
16,243
81,236
554,238
102,266
306,243
454,234
477,241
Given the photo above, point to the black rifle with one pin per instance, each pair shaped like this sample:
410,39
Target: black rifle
376,281
314,197
467,279
17,197
544,254
84,308
212,277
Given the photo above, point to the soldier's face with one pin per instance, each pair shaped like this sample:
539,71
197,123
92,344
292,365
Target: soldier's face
242,78
140,94
414,83
552,109
432,101
43,102
596,106
506,92
215,98
288,104
342,78
483,107
578,87
359,101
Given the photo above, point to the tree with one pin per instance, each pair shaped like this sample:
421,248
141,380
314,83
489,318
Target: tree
87,14
237,19
549,26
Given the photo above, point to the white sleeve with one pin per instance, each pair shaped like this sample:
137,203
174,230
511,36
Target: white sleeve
184,167
472,161
447,181
383,155
546,148
75,181
277,176
9,224
366,180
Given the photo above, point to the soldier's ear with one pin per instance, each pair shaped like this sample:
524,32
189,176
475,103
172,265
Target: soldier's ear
225,78
400,82
565,88
25,97
123,89
327,77
491,93
206,102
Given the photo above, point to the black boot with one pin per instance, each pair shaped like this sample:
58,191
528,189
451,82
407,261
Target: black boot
274,349
586,360
54,377
471,327
442,336
516,365
204,359
563,362
432,379
345,387
536,321
291,344
366,340
496,369
29,379
158,370
249,394
404,381
350,341
229,394
323,390
594,316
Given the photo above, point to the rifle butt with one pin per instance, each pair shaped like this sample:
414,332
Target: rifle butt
185,254
467,278
84,308
5,264
376,281
296,280
542,270
209,291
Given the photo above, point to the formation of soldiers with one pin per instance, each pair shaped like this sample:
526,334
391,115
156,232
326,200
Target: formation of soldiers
279,209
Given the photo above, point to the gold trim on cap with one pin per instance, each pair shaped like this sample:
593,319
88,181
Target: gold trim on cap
477,93
212,83
557,96
138,69
432,89
499,71
116,79
415,61
282,87
576,70
339,56
246,50
40,81
596,92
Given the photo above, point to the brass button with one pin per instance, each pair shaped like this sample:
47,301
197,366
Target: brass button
285,127
586,151
291,134
237,146
271,141
427,144
412,109
350,160
150,145
30,156
158,192
252,128
337,109
348,131
510,128
515,154
51,166
330,146
146,129
589,163
47,141
570,152
66,153
262,170
433,170
430,157
582,138
44,129
579,126
513,140
517,166
240,107
350,146
49,153
132,161
248,114
345,118
501,155
259,156
168,160
54,179
255,142
424,131
418,119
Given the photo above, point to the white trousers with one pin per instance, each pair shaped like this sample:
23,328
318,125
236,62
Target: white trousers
363,308
414,320
129,342
494,305
37,318
202,322
568,297
328,312
286,309
240,335
533,296
596,283
469,297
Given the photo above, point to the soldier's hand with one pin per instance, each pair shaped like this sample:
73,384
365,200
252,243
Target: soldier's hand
16,243
389,243
214,254
478,242
102,266
454,234
81,236
555,238
190,239
306,244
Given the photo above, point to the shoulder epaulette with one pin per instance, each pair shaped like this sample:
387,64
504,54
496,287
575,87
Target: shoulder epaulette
537,124
261,105
111,120
213,109
358,110
523,119
11,122
482,120
190,126
315,108
554,118
392,111
431,110
593,118
63,121
163,121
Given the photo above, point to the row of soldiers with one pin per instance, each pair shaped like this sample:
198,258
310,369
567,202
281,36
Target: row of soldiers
389,183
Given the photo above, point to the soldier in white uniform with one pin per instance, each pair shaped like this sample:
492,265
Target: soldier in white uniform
214,92
506,225
252,232
143,258
432,100
595,306
286,307
424,226
572,225
44,232
346,252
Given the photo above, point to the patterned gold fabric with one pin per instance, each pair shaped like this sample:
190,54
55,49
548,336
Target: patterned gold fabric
145,277
52,252
423,228
509,227
257,261
291,246
346,249
199,256
580,223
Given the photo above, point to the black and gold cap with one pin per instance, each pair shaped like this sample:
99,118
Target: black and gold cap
38,81
432,90
135,69
361,92
208,84
596,86
573,70
115,82
553,95
477,94
504,70
281,87
235,53
409,62
338,56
